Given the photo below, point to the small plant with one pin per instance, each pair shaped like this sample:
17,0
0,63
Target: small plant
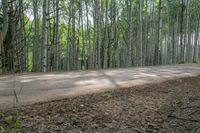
198,128
62,131
1,115
2,130
15,118
16,122
13,121
194,61
8,120
49,119
182,62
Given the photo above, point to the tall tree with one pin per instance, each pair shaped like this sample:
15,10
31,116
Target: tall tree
141,32
182,32
157,58
95,34
4,30
45,34
129,28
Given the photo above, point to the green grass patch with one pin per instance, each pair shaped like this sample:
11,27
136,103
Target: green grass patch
182,62
198,128
12,121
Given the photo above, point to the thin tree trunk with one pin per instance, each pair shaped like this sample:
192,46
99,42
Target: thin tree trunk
159,41
182,32
45,34
186,41
57,37
4,31
89,39
129,21
5,18
196,40
105,64
141,32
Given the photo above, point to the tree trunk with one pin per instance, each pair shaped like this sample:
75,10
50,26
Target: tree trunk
182,32
45,34
157,59
141,32
196,40
57,37
105,64
129,21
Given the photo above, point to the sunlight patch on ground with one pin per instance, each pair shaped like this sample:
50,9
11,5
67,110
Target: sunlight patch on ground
30,80
93,82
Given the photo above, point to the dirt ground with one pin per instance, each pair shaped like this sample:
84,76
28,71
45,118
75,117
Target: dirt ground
171,106
41,87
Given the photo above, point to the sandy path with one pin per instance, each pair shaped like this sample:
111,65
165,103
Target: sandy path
33,88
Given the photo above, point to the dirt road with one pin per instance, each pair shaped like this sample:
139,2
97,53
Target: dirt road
33,88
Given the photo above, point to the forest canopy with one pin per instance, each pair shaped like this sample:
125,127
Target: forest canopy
55,35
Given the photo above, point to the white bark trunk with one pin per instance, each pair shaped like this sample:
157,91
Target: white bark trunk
45,34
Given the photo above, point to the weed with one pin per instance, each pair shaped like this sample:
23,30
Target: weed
1,115
49,119
62,131
194,61
11,121
2,130
8,120
16,121
182,62
198,128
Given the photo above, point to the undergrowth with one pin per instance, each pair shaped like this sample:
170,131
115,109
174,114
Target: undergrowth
198,127
12,121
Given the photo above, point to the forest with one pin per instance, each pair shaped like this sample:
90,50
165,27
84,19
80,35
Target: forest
64,35
105,66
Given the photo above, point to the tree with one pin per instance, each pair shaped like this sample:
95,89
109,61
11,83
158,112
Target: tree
36,46
95,34
129,28
157,55
182,32
45,33
4,30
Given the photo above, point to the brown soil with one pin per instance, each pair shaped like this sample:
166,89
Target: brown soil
172,106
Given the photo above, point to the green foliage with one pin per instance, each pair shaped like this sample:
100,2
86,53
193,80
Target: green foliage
1,114
30,63
11,121
198,127
195,61
8,119
49,119
182,62
113,18
2,130
16,122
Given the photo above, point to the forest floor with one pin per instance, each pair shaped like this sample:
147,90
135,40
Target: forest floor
169,106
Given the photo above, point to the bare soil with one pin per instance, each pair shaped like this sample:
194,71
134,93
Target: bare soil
42,87
171,106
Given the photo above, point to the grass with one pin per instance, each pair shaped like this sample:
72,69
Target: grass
13,120
2,130
182,62
198,127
